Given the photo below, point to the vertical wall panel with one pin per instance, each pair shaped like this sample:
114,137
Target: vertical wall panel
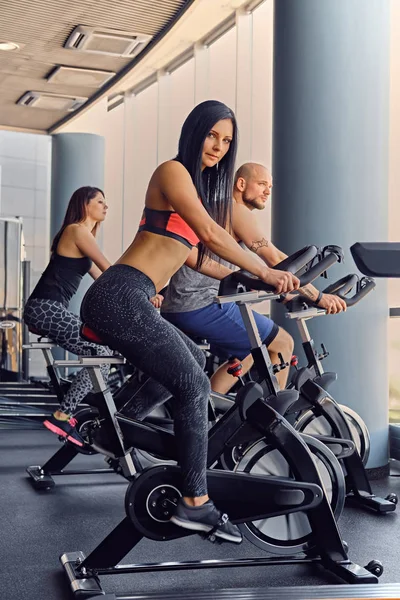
181,102
244,78
201,72
222,69
262,83
261,136
142,140
163,146
113,183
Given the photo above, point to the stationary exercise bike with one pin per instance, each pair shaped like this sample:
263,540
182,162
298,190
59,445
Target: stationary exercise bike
100,433
301,312
43,398
249,496
316,413
381,259
325,417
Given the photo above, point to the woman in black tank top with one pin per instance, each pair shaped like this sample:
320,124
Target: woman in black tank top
74,253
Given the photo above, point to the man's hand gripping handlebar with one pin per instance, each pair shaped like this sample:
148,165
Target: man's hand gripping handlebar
308,261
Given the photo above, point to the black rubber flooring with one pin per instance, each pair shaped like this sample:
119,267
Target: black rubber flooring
36,527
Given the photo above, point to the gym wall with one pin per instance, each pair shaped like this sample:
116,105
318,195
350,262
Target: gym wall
143,131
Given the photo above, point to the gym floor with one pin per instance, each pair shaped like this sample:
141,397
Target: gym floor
36,527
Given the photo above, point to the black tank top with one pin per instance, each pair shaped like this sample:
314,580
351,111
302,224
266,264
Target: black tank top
61,278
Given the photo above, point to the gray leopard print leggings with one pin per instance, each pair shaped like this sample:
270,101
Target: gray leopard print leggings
53,320
117,307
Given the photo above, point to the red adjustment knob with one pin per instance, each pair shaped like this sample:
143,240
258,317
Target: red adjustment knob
236,369
294,361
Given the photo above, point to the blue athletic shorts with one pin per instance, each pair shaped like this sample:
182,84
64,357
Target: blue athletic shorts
223,327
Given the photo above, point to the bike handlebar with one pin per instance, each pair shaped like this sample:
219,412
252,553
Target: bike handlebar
343,285
339,288
364,287
297,261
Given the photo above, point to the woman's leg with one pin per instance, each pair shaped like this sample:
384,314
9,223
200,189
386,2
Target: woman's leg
117,307
147,394
63,328
175,368
53,320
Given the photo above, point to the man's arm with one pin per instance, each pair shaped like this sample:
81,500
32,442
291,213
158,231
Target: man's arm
247,229
273,256
209,267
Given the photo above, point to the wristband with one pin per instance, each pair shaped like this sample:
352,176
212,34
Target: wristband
319,298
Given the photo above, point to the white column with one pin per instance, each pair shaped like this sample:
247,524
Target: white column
201,73
244,79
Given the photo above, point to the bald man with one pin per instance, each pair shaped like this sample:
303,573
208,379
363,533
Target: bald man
189,299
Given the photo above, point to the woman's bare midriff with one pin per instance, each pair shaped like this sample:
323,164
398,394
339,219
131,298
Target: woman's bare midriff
157,256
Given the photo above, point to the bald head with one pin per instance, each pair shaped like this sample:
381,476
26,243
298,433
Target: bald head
249,170
252,185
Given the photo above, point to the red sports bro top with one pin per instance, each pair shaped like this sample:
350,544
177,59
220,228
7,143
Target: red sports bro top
169,224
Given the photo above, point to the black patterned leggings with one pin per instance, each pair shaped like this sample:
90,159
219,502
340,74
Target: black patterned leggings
117,307
53,320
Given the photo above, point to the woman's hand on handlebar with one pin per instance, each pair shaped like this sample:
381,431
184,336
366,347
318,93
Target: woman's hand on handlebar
157,300
283,281
332,304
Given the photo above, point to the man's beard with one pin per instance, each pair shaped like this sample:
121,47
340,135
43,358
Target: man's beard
254,202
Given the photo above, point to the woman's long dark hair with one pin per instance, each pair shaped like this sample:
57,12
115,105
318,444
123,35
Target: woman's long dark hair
214,185
76,211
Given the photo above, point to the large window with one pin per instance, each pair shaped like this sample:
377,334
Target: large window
394,294
394,209
394,369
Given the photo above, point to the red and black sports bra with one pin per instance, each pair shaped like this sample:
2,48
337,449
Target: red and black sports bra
169,224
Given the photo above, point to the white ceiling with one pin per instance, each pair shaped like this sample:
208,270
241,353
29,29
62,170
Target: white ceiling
41,29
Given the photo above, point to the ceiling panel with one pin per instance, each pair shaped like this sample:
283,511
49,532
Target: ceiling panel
42,27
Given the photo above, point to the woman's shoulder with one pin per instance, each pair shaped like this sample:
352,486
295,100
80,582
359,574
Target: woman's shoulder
72,227
75,229
73,235
171,168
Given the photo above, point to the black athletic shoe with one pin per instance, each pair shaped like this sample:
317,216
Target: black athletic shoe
65,429
208,519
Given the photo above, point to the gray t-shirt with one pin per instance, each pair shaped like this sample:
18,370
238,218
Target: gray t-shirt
190,290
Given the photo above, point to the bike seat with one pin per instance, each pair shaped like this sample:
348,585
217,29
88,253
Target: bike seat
35,331
283,400
91,336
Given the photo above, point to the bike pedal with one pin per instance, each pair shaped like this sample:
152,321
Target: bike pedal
236,369
211,537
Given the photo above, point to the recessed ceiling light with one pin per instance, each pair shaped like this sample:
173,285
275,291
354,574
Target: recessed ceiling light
107,41
8,46
49,101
